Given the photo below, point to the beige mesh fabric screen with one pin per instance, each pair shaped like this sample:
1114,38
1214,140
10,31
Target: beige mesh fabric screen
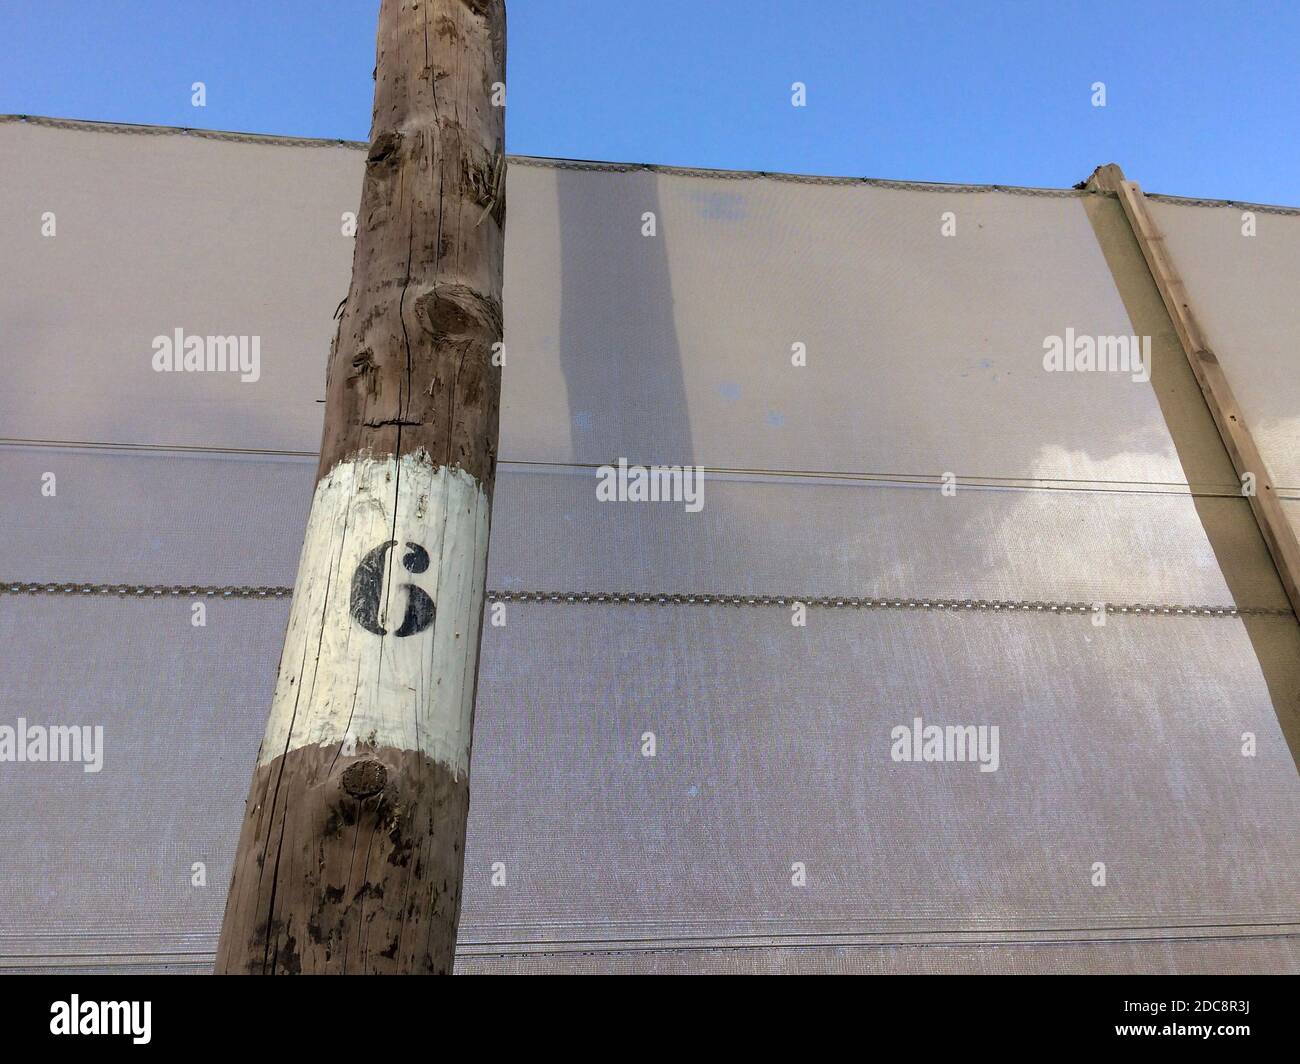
1240,266
1119,743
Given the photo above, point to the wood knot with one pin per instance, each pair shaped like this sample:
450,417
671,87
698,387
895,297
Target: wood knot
456,311
364,779
384,148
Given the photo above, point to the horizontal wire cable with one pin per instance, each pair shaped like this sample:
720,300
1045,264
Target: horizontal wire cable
1101,936
178,448
969,480
276,140
1196,201
538,161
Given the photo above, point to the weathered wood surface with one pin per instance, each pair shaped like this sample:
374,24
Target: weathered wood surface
351,851
1276,530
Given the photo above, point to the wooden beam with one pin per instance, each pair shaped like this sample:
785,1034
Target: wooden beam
1246,459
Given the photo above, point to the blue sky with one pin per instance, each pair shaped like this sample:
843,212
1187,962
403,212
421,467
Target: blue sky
1202,98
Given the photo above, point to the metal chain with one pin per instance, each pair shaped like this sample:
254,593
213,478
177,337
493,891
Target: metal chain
865,603
148,590
654,598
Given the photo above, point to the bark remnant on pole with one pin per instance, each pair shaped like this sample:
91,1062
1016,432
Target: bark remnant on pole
351,852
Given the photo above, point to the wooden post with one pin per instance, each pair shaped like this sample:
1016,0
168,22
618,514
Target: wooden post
1237,438
351,853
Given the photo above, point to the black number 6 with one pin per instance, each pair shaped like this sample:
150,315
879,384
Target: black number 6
368,589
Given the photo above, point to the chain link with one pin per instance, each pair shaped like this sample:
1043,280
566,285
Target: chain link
655,598
867,603
148,590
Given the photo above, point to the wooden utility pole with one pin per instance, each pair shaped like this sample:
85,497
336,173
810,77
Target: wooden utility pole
352,848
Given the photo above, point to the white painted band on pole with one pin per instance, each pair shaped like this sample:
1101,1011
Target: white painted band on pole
383,633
